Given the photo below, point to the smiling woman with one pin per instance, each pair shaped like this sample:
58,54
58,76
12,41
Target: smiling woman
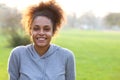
41,33
42,60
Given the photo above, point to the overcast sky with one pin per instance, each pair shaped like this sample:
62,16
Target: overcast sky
98,7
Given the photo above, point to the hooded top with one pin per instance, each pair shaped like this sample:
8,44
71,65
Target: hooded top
56,64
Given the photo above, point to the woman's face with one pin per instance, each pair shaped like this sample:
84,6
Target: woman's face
41,31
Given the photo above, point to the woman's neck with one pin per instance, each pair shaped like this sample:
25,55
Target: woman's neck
41,50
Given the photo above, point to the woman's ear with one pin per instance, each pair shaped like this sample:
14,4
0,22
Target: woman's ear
30,32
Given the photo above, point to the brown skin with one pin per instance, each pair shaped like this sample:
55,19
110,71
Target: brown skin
41,34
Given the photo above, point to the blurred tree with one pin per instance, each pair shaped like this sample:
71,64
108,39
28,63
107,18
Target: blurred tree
89,19
71,20
112,19
10,19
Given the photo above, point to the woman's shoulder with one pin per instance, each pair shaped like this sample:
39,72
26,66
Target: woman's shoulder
19,49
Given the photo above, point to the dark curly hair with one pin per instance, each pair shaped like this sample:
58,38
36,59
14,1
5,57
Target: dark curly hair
50,9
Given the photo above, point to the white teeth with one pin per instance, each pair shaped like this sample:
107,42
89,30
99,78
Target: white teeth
41,38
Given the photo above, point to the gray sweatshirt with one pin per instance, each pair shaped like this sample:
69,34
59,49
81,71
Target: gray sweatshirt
56,64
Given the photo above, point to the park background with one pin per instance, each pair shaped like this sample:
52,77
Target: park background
94,39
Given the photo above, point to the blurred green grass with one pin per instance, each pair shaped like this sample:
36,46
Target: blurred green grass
97,53
4,54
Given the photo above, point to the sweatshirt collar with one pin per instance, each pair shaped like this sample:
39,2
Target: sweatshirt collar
49,52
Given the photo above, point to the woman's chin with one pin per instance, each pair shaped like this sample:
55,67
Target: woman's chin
41,45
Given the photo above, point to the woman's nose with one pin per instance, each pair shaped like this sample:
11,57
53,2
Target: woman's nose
41,32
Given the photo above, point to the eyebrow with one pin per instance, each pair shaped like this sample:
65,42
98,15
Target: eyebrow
39,26
35,25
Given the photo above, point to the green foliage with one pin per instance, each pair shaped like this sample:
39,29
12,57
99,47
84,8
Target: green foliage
17,39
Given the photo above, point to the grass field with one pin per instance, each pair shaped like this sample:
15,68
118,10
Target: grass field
97,53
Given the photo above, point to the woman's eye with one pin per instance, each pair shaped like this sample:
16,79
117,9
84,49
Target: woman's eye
47,29
35,29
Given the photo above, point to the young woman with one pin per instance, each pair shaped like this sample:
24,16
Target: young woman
42,60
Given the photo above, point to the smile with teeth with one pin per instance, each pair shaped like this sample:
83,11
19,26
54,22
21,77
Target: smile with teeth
41,38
